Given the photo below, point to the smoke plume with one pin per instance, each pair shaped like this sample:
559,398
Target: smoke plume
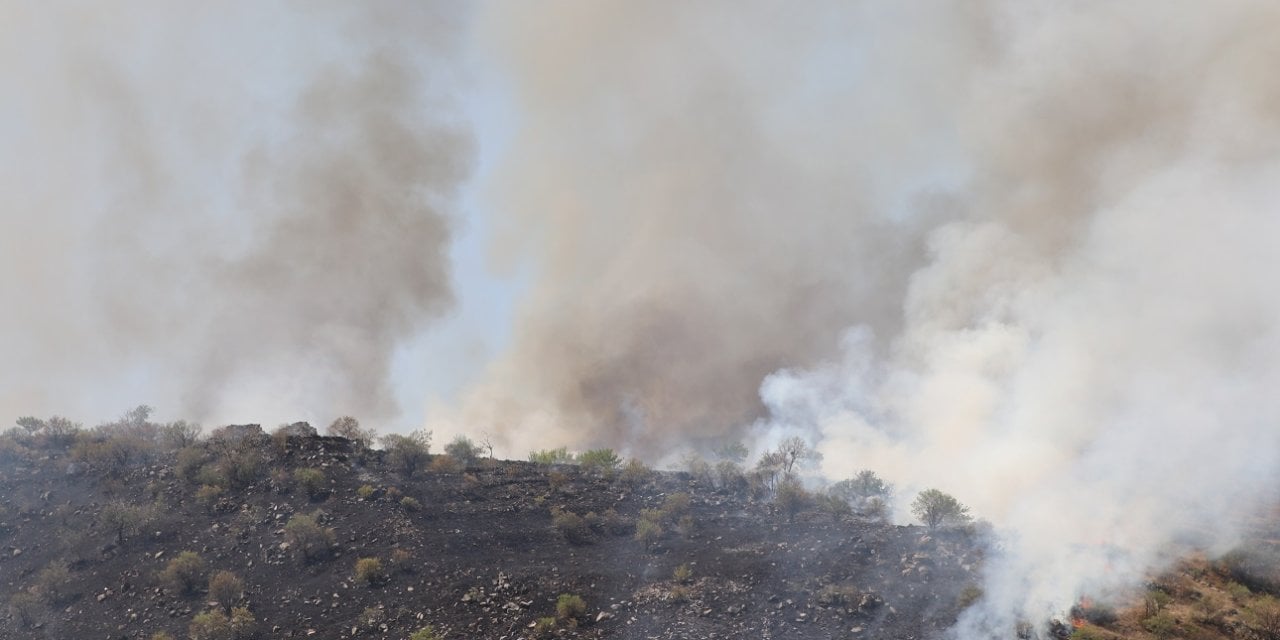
1042,234
254,199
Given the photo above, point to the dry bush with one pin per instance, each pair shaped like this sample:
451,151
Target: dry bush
445,464
308,537
410,504
226,589
25,608
573,527
370,571
184,573
55,585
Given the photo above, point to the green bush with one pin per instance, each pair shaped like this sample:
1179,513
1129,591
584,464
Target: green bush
648,531
635,472
463,450
310,539
210,625
184,573
215,625
310,480
570,608
1161,625
682,574
370,571
426,633
365,491
551,456
408,454
600,460
410,504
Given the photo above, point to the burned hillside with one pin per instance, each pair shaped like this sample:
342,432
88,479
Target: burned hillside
327,538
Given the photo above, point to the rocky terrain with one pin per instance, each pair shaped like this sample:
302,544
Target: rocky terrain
471,551
109,539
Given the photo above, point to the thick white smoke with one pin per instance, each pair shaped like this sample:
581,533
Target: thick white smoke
1047,232
235,211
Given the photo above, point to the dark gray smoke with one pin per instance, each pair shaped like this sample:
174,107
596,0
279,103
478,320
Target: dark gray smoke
251,204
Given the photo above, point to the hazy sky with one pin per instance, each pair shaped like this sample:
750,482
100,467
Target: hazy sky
1024,250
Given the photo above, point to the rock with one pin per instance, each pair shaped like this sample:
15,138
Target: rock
603,615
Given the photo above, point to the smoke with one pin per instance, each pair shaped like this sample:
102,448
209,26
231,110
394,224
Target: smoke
254,200
1041,234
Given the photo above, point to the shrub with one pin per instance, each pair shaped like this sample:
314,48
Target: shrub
682,574
615,524
410,504
648,532
791,498
544,626
123,519
55,585
970,594
463,450
242,467
445,464
408,454
570,607
370,571
243,624
184,573
210,625
1161,625
162,635
402,561
310,480
600,460
24,606
635,472
226,589
834,506
311,540
675,506
729,477
365,491
551,456
208,495
426,633
1264,617
572,526
556,480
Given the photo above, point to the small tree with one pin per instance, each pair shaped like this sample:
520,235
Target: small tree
935,508
349,428
463,450
408,454
795,450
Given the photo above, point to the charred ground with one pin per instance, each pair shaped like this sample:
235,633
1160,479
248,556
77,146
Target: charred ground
474,551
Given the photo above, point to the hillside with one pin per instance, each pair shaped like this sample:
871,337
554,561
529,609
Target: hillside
95,535
472,551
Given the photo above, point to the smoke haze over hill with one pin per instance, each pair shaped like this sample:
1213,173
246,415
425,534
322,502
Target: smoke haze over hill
1020,251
